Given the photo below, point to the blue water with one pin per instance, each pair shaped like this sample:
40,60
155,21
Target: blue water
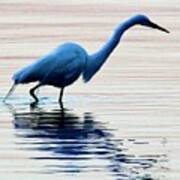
70,143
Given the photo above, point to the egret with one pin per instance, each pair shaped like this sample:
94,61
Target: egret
66,63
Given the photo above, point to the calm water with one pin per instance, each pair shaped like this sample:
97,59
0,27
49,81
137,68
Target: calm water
124,124
73,144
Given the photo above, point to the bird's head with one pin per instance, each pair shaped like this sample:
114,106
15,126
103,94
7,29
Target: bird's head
145,21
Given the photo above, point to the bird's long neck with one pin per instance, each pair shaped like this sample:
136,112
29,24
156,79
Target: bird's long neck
97,59
103,53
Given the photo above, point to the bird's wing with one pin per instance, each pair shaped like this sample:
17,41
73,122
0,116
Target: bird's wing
60,65
41,69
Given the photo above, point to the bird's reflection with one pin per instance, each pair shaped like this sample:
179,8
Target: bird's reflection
71,143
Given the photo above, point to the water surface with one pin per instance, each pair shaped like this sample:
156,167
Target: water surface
124,124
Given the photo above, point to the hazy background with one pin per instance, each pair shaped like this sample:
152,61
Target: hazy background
145,60
136,91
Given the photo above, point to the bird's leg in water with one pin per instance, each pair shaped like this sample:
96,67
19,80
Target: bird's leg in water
10,92
60,97
31,92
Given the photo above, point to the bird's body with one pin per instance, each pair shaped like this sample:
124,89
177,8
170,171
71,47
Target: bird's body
60,68
63,66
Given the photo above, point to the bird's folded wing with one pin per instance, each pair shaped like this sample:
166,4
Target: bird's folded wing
41,69
59,65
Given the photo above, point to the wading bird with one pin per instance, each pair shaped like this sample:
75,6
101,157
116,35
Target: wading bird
63,66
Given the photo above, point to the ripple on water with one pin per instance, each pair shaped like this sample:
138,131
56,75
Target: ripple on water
64,142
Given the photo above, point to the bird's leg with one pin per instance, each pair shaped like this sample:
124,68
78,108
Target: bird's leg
60,97
31,92
10,92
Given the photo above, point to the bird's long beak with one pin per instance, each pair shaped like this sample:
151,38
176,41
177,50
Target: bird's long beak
155,26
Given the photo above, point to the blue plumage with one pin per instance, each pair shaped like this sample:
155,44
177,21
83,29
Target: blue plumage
63,66
60,67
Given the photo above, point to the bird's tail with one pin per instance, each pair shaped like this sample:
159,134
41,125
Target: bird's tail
10,92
